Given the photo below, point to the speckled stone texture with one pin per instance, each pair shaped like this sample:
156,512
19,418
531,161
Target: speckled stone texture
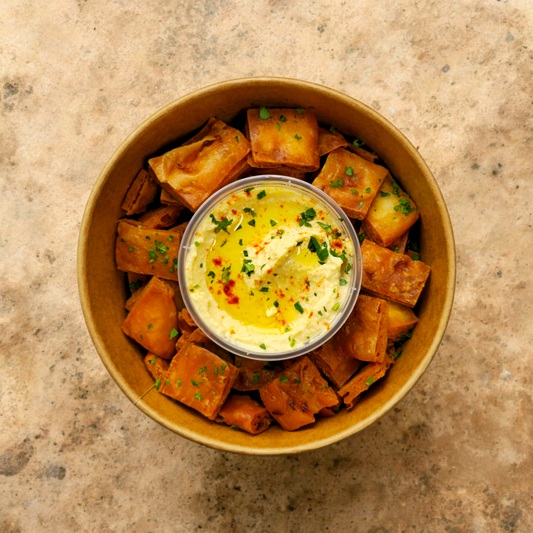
76,77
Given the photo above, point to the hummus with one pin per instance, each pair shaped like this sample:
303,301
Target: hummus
269,269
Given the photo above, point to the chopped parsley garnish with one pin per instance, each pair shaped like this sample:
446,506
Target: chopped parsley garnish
263,289
396,248
224,243
222,368
122,240
337,183
354,191
326,227
170,238
320,249
276,304
198,396
413,246
405,206
369,381
240,242
358,143
249,189
367,190
415,257
298,307
150,326
211,274
273,223
255,379
395,189
251,211
152,361
299,110
332,129
384,194
261,195
297,137
167,382
173,333
203,369
342,282
237,138
342,255
279,127
131,248
282,118
157,383
348,171
362,237
216,370
245,253
248,267
336,306
307,216
252,222
293,342
283,378
196,243
225,274
297,381
135,285
361,204
179,382
263,113
263,346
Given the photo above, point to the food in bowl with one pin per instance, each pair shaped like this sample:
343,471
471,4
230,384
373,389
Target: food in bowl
269,266
210,379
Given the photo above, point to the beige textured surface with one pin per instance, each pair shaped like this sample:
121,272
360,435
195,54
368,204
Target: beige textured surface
76,77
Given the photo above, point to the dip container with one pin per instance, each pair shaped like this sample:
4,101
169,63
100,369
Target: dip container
335,211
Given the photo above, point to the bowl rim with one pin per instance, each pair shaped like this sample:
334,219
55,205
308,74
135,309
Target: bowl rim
99,342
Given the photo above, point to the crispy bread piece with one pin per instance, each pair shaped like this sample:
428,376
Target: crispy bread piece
254,374
153,320
391,214
245,413
401,321
141,192
297,394
364,334
334,362
145,250
162,217
351,181
329,140
362,380
293,143
211,159
157,366
199,379
392,276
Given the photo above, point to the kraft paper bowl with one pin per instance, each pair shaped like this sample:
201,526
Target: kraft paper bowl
103,290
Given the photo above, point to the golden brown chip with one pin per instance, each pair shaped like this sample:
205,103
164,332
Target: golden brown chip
391,214
141,192
329,140
289,137
351,181
199,379
392,276
210,160
153,320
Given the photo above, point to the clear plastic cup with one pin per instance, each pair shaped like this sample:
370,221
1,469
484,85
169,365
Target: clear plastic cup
354,281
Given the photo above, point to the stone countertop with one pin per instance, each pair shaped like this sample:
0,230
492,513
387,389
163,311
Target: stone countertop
76,77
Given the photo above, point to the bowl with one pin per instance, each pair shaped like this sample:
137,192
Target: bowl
351,291
103,290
